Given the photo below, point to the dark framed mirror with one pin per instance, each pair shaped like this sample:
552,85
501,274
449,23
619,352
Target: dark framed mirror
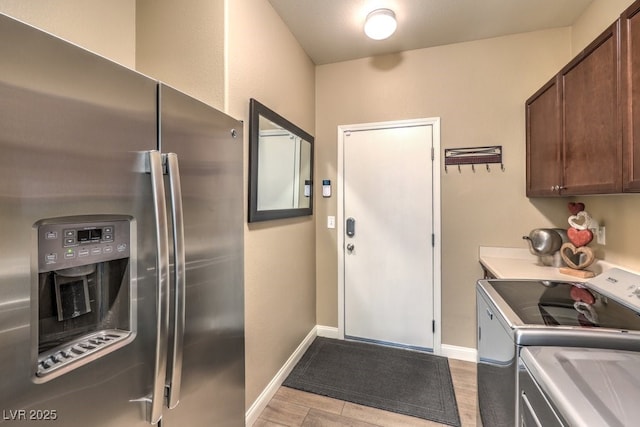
280,166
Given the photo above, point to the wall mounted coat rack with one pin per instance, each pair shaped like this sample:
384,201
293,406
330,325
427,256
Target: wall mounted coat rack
473,156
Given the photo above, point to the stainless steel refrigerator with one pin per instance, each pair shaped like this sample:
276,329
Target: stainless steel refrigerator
121,245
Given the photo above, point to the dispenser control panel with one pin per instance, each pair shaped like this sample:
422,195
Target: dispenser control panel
620,284
65,245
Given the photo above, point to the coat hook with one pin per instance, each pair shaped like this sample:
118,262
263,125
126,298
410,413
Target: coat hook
459,170
445,169
502,166
488,170
473,167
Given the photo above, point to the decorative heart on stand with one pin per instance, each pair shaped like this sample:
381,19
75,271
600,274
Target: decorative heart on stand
567,250
581,220
579,237
574,207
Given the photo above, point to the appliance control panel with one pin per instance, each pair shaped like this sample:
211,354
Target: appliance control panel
620,284
67,244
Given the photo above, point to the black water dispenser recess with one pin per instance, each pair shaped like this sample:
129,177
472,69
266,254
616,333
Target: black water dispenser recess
84,294
71,288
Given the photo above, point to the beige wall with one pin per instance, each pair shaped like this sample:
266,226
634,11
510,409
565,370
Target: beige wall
266,63
619,213
182,44
478,90
598,16
105,27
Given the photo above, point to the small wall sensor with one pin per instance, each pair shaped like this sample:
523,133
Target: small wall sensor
326,188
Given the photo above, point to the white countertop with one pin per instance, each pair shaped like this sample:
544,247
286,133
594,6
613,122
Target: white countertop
519,263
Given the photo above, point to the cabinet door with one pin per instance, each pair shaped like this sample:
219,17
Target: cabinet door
544,141
592,139
630,46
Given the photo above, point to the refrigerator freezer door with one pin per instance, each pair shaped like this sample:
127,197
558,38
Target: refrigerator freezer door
210,158
74,131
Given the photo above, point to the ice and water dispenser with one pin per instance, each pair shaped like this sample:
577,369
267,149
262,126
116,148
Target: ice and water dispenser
84,293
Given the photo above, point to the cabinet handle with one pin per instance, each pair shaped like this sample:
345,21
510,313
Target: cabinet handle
490,314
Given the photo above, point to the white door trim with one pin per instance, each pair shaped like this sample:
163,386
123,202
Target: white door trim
437,263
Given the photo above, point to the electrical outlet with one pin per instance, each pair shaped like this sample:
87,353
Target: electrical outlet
601,236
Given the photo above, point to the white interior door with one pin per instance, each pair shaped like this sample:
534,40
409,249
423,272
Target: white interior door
388,259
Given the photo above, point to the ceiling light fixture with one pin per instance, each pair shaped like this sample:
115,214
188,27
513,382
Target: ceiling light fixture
380,24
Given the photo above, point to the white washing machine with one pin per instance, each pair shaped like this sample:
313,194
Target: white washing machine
579,387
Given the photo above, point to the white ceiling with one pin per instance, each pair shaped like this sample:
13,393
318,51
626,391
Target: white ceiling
331,30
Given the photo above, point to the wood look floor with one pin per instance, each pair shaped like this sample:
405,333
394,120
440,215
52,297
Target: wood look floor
295,408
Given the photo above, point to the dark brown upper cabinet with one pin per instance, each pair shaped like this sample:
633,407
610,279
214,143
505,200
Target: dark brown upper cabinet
574,132
544,141
630,64
592,132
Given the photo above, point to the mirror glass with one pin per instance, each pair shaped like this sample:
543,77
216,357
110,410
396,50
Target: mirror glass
280,166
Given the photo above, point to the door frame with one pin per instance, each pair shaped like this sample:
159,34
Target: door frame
434,122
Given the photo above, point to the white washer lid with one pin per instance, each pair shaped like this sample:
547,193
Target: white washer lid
588,387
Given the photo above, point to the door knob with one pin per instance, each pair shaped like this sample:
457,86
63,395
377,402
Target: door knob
350,247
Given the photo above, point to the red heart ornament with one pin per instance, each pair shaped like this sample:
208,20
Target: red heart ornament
579,237
582,295
574,207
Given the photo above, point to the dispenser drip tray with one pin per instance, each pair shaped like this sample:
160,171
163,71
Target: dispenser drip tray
80,350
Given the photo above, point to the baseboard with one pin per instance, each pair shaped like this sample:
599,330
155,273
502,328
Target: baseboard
460,353
262,401
327,332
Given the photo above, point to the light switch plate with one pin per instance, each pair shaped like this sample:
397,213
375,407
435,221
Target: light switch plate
331,221
601,238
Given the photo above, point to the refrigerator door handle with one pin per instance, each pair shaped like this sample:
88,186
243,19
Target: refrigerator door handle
156,402
175,364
